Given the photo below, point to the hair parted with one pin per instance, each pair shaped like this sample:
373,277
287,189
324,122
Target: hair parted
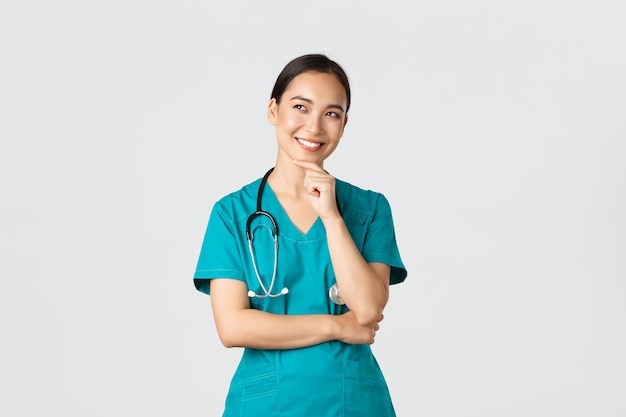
309,63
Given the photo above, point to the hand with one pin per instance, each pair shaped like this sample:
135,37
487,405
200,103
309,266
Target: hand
354,333
321,188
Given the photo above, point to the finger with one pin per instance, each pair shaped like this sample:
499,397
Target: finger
308,165
314,192
316,184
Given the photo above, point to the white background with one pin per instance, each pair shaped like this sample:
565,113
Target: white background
497,130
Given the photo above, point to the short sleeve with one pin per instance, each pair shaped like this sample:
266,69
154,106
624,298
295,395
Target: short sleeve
220,254
380,242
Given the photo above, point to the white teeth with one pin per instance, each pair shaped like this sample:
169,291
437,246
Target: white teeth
309,144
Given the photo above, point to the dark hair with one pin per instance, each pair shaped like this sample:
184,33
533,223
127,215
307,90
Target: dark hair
312,63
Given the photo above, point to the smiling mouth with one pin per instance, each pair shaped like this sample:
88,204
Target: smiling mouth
309,145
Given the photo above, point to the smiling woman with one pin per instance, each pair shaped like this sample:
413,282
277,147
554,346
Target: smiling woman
329,247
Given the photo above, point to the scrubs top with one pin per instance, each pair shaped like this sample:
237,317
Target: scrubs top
328,379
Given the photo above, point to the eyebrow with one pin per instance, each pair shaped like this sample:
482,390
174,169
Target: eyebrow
308,100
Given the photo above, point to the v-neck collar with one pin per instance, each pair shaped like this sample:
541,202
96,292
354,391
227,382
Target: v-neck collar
286,227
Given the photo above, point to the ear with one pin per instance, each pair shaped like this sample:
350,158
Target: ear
272,111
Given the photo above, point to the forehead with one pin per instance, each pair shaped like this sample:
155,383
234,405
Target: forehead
320,85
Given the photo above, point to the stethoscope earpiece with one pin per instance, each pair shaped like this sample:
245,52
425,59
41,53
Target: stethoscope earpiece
252,294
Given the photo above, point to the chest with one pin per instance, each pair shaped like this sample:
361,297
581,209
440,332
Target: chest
299,211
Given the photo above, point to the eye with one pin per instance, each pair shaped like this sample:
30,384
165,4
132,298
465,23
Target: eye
332,114
299,107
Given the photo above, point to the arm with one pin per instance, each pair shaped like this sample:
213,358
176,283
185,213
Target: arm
240,326
364,287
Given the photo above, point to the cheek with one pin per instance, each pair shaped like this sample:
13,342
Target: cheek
336,129
289,121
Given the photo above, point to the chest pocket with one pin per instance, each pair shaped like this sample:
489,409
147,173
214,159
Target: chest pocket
358,223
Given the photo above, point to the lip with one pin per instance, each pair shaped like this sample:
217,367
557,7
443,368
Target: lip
306,144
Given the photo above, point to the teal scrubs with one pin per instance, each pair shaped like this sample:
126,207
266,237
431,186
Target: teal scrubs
331,378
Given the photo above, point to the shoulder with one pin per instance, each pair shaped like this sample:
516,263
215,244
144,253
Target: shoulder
240,202
359,199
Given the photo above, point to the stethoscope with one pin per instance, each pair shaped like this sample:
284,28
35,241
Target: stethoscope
333,292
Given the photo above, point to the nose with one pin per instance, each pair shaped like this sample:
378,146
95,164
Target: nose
314,125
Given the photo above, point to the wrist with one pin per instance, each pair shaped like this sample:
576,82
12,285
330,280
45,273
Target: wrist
333,327
333,221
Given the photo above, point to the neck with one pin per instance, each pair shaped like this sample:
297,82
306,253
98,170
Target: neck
287,178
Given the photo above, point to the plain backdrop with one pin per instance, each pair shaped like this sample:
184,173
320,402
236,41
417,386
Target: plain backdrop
497,131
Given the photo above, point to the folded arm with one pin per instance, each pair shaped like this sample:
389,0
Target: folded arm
238,325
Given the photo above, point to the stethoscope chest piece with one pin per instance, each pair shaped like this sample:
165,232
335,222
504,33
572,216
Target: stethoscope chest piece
335,296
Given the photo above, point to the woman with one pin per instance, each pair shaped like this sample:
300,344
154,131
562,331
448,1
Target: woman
312,237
